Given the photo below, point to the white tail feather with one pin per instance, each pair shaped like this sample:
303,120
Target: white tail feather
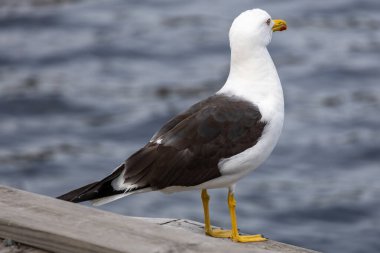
105,200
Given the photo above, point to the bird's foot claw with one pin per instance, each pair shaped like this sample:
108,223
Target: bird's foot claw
249,238
219,233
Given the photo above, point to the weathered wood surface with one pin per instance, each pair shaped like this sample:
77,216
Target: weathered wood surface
60,226
13,247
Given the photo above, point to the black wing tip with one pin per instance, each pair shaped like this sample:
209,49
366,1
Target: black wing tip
95,190
79,195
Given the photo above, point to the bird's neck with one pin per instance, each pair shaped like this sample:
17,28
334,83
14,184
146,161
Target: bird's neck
254,77
252,67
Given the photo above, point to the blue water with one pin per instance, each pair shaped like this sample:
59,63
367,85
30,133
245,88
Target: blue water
83,84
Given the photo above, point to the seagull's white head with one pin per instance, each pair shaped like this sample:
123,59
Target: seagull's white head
254,28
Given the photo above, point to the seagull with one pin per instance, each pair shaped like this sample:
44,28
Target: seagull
215,142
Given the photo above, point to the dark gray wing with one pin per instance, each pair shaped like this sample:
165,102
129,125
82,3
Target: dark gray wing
187,149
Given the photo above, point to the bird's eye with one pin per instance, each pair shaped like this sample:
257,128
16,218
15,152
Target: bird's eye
268,21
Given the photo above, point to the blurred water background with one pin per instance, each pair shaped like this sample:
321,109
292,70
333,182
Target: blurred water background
83,84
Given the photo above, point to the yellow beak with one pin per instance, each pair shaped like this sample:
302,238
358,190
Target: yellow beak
279,25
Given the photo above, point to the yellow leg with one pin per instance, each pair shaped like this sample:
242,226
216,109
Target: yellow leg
208,230
235,233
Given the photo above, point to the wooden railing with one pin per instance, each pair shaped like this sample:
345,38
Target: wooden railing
47,224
